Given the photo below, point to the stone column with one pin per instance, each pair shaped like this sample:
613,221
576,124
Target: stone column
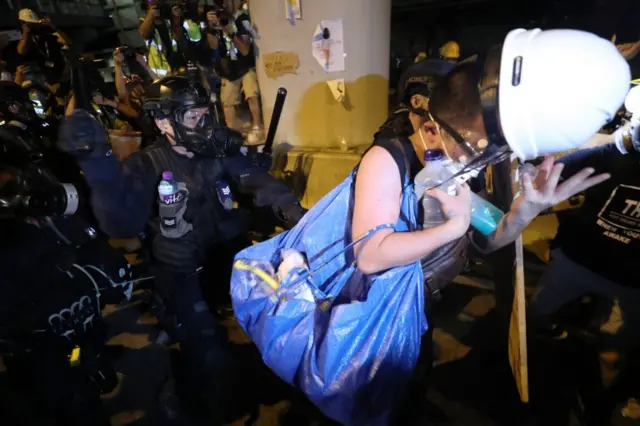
312,118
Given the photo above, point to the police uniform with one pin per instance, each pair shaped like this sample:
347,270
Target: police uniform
199,254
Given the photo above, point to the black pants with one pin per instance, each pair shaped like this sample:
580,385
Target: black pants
188,318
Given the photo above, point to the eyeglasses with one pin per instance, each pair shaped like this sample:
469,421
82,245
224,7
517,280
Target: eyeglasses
480,157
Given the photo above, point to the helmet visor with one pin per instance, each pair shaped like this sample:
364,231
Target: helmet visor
195,127
197,120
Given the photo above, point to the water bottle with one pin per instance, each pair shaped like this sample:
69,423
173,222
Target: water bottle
433,174
168,189
484,215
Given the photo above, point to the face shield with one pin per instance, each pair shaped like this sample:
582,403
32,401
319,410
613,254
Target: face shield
541,93
194,128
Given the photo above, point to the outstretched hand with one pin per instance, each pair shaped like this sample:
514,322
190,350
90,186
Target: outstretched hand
546,191
627,50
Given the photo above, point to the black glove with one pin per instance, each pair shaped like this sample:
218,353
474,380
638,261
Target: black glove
288,211
82,135
227,142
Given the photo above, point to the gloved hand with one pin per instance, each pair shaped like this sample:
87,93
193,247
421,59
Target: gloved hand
227,142
82,135
172,221
288,211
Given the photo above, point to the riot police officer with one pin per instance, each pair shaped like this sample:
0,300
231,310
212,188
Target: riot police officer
206,159
57,275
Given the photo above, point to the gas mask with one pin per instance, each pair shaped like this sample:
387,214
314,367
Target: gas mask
198,131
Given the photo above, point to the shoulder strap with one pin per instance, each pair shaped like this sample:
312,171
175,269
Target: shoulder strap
396,147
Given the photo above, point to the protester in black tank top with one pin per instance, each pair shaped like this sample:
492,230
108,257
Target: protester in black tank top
455,101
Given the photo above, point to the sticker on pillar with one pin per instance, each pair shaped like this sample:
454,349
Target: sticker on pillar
294,12
277,64
327,45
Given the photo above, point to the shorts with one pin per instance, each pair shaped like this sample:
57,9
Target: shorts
230,90
618,308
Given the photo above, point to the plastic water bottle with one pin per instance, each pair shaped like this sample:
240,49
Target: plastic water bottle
433,174
484,215
168,189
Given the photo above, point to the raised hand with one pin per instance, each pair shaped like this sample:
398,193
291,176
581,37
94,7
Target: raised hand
545,190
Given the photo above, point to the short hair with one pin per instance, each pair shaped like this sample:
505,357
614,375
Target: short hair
455,99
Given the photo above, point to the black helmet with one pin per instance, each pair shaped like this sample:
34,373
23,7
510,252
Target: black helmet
185,104
15,105
420,78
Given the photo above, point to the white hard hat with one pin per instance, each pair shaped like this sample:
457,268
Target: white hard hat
632,100
557,88
28,15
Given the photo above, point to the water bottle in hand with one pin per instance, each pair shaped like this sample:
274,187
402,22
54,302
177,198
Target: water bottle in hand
168,189
484,215
433,175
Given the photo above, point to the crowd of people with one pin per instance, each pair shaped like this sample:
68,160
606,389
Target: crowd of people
195,56
218,41
165,102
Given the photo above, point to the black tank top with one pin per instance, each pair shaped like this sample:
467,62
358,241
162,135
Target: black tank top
442,265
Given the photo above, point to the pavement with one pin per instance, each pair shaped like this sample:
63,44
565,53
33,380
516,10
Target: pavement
144,365
470,384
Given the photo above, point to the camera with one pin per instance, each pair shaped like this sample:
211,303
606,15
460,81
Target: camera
31,191
225,19
28,185
128,52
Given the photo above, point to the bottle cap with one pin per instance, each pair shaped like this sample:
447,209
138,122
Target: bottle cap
168,175
432,155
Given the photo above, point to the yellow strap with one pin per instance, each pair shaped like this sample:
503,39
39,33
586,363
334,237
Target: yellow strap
239,264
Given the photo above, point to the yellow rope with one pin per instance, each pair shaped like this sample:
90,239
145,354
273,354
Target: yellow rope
239,264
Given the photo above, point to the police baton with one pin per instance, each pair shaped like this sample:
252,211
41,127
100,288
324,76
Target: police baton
275,120
264,157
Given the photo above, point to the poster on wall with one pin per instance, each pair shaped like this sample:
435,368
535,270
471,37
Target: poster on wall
294,12
327,45
277,64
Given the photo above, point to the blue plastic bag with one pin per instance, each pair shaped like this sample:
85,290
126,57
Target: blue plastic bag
352,348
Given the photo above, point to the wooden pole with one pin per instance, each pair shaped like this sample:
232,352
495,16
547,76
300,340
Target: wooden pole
508,267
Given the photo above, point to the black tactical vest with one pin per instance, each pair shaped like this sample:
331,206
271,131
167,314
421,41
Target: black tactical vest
212,224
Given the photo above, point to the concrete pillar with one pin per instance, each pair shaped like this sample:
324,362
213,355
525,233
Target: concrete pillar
312,118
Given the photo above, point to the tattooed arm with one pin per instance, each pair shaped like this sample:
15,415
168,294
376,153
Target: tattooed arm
536,195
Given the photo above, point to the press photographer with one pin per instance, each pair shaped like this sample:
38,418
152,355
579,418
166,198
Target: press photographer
157,29
132,79
192,45
41,47
237,66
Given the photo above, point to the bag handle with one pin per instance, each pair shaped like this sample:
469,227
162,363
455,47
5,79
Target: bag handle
349,246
